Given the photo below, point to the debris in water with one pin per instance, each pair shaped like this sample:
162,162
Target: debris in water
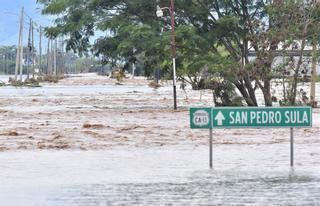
10,133
154,85
93,126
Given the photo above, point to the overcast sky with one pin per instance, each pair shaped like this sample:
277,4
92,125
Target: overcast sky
9,19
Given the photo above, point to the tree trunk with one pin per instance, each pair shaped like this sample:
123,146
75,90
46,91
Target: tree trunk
245,94
267,94
250,90
313,72
293,94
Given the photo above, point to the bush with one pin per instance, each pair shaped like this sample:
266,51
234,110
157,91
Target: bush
28,82
154,84
224,93
117,74
50,78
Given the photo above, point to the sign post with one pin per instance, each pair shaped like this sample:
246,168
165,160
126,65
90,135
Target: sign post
210,148
291,147
251,117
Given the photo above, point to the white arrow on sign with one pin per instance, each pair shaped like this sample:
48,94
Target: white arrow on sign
220,118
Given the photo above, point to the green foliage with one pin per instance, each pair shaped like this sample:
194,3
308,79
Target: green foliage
7,59
84,64
224,93
294,31
212,37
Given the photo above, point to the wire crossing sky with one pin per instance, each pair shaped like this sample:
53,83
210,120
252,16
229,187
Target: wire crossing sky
9,19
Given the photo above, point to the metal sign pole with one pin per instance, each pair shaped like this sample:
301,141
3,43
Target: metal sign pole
210,149
291,147
253,117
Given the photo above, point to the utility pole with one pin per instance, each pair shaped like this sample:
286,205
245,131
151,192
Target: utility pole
32,40
159,13
48,58
51,57
40,49
173,47
21,45
19,50
55,57
29,50
62,56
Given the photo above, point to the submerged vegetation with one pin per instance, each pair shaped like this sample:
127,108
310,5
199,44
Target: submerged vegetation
26,83
32,82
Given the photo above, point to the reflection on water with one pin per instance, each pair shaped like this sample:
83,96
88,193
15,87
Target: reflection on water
171,176
204,188
210,189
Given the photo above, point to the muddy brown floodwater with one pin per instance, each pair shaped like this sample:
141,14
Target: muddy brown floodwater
93,113
87,141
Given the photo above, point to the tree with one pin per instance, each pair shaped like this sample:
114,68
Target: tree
83,17
7,59
212,35
297,26
84,64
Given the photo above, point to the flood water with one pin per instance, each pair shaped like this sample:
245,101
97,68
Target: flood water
137,153
249,175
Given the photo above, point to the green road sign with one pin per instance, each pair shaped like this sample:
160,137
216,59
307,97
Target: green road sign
200,118
238,117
